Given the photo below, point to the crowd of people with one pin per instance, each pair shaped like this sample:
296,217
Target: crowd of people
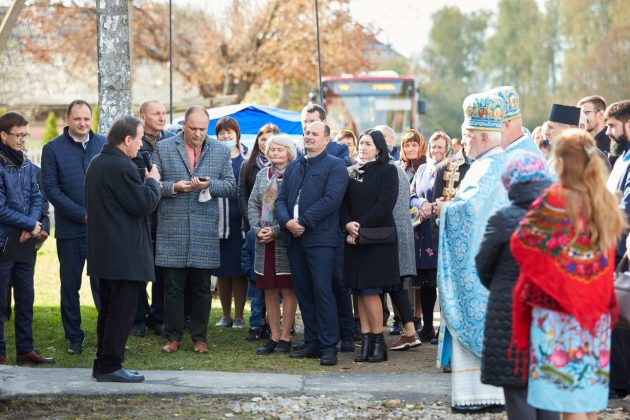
519,231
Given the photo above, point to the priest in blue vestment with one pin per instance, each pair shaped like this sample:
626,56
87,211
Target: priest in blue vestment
462,221
515,137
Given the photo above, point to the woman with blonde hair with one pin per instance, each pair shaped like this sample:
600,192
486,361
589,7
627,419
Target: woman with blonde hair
271,263
564,300
413,152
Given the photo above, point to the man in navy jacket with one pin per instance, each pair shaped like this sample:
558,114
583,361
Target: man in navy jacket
65,160
308,207
313,112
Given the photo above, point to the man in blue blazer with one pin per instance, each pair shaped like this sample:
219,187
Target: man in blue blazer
65,160
308,207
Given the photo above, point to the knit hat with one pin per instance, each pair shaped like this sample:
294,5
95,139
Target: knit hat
483,111
511,99
523,168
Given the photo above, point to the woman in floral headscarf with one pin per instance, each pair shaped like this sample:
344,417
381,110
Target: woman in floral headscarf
564,300
525,177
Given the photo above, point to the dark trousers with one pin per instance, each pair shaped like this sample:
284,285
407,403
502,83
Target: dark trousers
174,285
71,253
20,276
428,297
518,409
118,300
151,314
342,296
400,299
312,273
620,360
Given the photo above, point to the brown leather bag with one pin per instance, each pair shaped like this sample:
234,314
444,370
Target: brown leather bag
622,289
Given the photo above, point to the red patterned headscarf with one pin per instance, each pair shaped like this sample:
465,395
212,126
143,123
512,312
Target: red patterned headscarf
560,269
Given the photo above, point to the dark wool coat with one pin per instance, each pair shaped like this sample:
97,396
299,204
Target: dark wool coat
498,272
118,204
371,202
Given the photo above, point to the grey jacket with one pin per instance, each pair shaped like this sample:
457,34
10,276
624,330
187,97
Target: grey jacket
254,213
187,230
406,247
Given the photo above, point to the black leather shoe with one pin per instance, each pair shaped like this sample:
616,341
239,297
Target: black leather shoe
299,346
328,359
121,375
475,409
268,348
308,353
347,345
75,348
617,394
158,329
133,372
138,329
366,348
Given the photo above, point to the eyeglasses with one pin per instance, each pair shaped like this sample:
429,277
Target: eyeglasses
20,136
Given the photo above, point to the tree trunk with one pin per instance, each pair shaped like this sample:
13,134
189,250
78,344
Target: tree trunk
114,61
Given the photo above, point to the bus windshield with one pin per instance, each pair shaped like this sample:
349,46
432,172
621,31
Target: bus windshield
360,105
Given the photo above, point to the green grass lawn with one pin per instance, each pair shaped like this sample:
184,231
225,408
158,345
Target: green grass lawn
228,349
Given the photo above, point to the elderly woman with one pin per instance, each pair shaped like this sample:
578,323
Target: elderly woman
413,152
349,139
371,252
425,284
273,273
231,282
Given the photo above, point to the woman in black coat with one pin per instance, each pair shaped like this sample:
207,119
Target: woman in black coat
369,202
525,178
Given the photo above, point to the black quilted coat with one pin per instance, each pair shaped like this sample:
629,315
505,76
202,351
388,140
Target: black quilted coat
498,272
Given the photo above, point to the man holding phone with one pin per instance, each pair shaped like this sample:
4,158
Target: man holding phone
195,169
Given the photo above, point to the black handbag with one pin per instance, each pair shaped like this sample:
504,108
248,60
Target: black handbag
622,290
377,236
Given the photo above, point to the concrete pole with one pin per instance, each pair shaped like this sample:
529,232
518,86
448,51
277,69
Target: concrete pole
9,21
114,61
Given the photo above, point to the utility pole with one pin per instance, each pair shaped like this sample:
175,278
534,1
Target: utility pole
9,21
114,61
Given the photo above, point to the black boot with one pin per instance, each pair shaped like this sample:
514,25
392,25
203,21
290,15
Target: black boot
379,349
356,331
366,348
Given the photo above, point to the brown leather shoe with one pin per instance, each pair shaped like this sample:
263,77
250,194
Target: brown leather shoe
34,357
200,347
3,359
171,346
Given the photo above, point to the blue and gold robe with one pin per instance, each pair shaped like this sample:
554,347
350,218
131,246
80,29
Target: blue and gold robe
463,298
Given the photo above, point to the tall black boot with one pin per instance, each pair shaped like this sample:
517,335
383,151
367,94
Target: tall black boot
379,349
366,348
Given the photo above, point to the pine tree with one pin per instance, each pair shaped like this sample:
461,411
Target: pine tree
50,128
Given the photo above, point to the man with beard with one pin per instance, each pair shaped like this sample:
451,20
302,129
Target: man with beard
617,118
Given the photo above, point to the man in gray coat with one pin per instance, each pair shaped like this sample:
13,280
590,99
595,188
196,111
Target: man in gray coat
195,170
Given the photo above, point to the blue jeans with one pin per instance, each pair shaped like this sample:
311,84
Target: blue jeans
71,253
313,283
257,302
20,276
